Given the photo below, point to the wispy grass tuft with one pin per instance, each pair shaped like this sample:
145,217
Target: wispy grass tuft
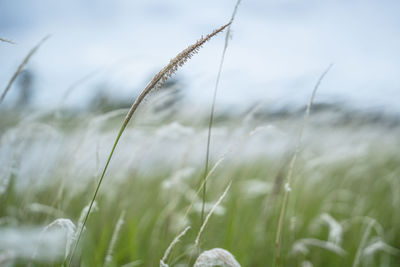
302,246
363,242
68,227
216,257
155,83
114,238
21,67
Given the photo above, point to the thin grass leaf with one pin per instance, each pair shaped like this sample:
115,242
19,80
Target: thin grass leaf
21,67
197,241
363,242
202,185
171,246
291,166
227,36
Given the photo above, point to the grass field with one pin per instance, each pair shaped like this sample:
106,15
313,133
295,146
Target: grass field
342,209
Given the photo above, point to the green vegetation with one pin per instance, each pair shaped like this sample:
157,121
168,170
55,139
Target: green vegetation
333,200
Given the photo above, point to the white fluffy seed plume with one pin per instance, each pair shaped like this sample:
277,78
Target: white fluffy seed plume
216,257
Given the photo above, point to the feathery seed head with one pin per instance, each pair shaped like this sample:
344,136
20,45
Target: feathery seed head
182,57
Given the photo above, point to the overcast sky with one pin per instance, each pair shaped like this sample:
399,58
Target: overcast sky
277,51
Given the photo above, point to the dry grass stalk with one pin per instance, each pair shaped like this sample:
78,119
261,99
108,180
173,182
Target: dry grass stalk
6,41
227,36
21,67
171,246
155,83
197,241
291,167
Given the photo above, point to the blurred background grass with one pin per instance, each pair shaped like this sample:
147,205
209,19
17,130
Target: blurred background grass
348,172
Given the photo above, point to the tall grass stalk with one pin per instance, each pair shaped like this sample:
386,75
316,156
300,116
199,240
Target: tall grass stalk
21,67
227,36
155,83
291,167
